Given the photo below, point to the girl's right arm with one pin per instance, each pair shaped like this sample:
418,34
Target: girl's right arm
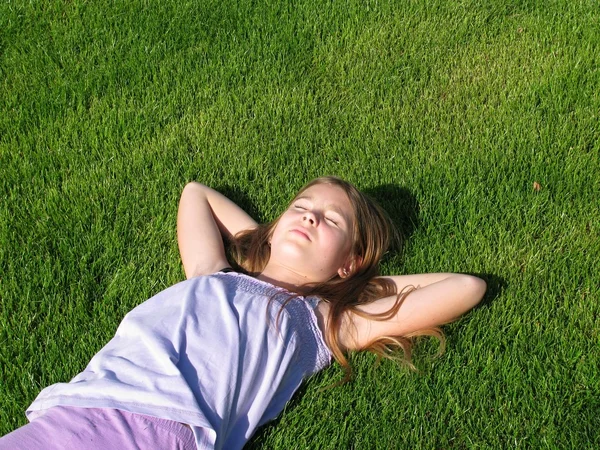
204,217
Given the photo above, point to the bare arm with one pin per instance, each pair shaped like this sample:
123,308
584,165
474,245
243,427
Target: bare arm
204,217
440,298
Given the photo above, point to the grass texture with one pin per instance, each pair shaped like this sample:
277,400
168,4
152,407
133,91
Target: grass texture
447,112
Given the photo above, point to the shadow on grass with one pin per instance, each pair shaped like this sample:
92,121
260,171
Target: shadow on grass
402,207
240,197
495,286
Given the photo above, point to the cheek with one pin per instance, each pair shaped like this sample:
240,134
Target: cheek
339,244
275,237
284,221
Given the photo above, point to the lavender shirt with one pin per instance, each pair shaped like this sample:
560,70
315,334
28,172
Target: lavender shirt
210,352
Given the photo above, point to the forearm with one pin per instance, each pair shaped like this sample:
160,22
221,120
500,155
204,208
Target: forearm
445,298
205,216
418,280
228,216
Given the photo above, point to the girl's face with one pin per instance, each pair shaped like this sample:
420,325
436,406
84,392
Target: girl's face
313,236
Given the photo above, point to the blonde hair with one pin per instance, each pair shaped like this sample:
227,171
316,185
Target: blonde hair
372,234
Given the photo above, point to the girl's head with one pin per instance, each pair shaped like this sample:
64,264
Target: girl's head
340,261
330,233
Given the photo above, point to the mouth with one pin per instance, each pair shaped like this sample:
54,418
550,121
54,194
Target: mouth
301,233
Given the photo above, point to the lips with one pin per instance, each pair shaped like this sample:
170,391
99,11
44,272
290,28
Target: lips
301,232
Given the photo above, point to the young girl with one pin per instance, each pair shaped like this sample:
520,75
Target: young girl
206,362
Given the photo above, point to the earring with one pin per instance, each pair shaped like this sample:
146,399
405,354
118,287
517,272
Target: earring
345,272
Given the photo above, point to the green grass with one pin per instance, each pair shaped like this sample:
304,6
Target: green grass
447,112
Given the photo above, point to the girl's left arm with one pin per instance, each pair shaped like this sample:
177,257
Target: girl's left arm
439,298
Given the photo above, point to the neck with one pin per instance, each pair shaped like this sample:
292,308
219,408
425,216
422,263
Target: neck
283,277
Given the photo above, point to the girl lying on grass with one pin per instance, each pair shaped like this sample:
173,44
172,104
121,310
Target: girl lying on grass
206,362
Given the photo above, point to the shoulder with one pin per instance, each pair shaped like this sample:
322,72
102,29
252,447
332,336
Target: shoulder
353,333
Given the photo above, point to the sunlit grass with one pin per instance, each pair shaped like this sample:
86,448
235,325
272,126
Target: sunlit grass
447,112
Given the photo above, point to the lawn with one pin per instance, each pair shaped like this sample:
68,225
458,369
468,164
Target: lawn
476,124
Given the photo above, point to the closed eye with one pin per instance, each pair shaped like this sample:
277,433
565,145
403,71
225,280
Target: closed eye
331,220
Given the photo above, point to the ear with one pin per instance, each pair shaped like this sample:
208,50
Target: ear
351,266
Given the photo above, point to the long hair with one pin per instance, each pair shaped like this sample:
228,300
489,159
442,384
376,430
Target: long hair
372,234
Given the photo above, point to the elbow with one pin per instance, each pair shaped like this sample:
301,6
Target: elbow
475,288
193,185
194,190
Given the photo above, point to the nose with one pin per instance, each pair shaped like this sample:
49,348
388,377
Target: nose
310,218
